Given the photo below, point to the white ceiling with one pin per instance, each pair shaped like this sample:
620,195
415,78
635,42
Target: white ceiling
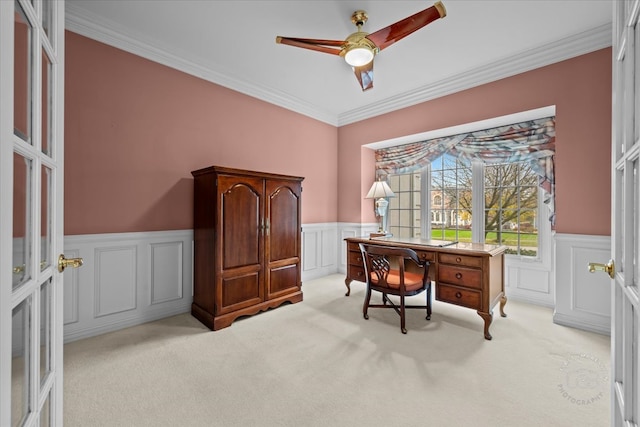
232,43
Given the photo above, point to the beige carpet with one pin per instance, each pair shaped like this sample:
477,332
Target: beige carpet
319,363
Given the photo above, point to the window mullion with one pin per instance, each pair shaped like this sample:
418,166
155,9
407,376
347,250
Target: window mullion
477,198
425,206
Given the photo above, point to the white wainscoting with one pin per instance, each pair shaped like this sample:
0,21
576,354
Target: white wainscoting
132,278
126,279
583,299
319,254
533,280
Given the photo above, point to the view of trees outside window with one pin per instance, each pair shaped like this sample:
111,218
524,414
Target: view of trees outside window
451,190
511,207
510,204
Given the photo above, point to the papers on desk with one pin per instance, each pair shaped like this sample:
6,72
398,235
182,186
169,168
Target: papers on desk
439,243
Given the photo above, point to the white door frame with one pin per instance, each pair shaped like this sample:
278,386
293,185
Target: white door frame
43,389
625,216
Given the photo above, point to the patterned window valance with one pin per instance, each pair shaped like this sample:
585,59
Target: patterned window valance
532,141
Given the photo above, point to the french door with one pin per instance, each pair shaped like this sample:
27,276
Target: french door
31,211
625,215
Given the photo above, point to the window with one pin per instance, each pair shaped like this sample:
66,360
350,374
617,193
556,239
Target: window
469,201
511,207
451,186
405,209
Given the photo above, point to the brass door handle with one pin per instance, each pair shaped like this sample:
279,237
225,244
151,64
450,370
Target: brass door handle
68,262
608,268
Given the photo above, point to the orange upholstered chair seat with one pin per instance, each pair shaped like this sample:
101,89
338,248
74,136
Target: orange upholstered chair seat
412,281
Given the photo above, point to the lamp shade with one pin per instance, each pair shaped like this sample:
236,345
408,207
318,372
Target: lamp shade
379,189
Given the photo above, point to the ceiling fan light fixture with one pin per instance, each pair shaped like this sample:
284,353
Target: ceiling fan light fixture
358,56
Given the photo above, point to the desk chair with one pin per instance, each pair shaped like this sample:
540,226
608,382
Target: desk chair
385,272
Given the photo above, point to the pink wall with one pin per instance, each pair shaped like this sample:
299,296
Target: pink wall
134,131
580,88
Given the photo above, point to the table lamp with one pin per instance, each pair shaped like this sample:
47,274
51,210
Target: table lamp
380,191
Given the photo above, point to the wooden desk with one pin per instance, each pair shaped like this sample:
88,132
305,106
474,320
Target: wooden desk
466,274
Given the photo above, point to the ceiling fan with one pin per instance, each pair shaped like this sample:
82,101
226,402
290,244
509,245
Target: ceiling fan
359,48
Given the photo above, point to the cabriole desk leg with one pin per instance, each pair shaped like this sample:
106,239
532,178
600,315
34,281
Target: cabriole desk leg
347,283
488,317
503,301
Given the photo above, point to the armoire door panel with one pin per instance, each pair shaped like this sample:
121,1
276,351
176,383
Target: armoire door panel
240,221
284,232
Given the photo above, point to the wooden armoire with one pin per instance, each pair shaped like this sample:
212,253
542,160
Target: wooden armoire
247,243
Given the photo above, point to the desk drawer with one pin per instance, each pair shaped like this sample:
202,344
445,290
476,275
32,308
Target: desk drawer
355,258
355,272
459,296
355,247
461,276
427,256
454,259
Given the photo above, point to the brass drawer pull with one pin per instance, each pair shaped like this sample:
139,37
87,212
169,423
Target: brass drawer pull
458,260
359,258
360,273
458,295
458,276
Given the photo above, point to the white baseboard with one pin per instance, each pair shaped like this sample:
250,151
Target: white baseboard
581,323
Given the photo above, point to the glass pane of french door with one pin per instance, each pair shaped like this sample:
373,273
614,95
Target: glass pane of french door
21,363
45,330
23,36
21,220
45,136
45,218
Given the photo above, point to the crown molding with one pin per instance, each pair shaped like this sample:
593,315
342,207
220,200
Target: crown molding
91,26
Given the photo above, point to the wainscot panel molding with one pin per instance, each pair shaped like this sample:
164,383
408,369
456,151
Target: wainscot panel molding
126,279
132,278
583,299
533,280
319,250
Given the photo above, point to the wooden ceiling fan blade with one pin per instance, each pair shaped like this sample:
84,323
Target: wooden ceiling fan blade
313,44
387,36
364,74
